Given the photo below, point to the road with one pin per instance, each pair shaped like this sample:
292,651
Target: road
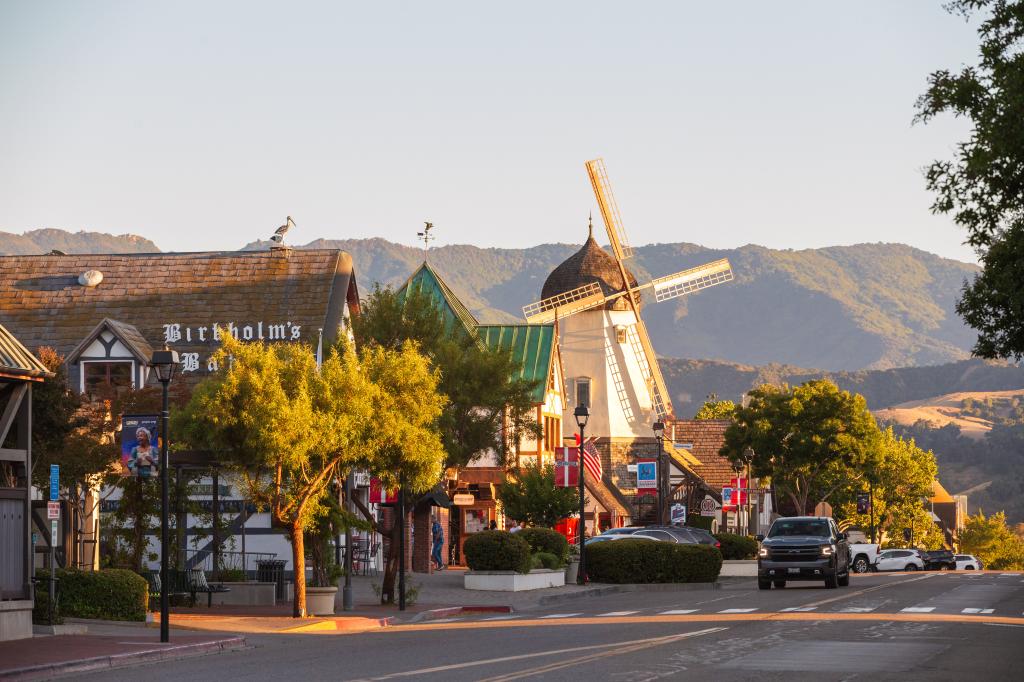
924,626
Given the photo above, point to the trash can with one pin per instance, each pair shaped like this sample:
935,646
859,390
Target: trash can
272,571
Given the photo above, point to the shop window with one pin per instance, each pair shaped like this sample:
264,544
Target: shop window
476,520
583,392
103,378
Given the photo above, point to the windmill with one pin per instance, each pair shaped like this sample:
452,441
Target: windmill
593,296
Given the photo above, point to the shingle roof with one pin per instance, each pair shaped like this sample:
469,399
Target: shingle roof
427,280
532,347
939,493
707,436
590,264
128,334
42,302
16,360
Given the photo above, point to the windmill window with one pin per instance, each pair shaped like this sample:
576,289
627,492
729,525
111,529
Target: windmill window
583,392
620,333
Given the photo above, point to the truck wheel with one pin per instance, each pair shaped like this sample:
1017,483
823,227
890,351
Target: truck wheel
844,579
779,584
860,564
764,584
832,582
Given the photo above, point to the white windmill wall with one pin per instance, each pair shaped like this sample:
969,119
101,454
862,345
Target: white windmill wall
590,348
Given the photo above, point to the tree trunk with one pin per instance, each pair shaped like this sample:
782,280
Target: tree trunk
387,590
299,562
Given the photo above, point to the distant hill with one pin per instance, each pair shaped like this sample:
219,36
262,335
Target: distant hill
44,241
956,409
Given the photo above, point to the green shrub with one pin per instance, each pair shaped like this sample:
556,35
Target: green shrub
41,607
535,562
698,521
548,560
497,550
546,540
233,575
737,546
643,561
110,594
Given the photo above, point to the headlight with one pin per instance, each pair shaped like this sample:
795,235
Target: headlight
763,553
827,550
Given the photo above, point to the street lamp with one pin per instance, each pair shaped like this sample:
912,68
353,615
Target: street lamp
163,362
663,481
582,414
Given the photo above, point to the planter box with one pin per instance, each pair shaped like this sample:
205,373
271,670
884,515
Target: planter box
746,568
246,594
510,581
15,619
320,600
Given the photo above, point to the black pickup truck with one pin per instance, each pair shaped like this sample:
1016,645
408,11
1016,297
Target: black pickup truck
938,560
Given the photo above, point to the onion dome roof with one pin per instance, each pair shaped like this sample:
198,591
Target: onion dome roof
590,264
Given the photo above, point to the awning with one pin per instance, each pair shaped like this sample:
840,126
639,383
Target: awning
437,497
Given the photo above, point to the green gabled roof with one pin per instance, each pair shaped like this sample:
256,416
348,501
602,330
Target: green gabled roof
532,348
428,281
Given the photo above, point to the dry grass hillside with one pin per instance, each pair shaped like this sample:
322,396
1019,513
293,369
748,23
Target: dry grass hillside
949,409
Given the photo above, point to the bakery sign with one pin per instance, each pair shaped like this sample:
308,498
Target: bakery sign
175,332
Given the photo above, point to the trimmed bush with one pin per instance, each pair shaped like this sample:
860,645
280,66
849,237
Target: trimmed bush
643,561
548,560
546,540
497,550
698,521
110,594
737,546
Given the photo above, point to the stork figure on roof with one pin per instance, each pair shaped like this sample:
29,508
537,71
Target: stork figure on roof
279,233
610,364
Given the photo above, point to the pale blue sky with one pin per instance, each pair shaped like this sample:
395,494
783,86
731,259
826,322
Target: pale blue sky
202,124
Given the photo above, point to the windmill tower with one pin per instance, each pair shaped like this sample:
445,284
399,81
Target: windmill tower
608,359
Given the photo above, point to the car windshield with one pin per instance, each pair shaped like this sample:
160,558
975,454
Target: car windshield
793,527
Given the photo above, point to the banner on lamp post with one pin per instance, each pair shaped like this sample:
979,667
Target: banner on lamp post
647,476
140,444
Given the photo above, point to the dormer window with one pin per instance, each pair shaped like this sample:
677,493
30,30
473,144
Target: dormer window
111,359
102,378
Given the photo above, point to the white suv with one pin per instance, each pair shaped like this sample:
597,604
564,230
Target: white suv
899,560
967,562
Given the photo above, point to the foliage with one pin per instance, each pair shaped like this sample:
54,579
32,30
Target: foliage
549,560
291,429
644,561
111,594
532,497
812,441
989,539
737,546
497,550
982,187
713,408
698,521
546,540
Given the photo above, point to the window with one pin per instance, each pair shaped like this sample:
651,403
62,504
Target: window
583,392
106,377
657,535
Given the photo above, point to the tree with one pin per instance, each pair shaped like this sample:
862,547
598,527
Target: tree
989,539
533,497
983,186
291,428
713,408
811,441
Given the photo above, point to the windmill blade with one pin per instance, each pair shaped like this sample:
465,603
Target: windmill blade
694,279
609,209
644,352
573,301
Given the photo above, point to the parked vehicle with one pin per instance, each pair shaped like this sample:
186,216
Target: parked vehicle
899,560
939,560
967,562
803,548
678,534
863,557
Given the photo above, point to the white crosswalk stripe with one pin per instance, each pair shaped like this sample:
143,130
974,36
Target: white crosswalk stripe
799,608
561,615
677,612
857,609
918,609
1009,575
509,617
973,610
618,613
445,620
737,610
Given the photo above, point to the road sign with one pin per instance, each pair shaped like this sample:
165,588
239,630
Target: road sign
708,507
678,514
53,533
727,499
647,474
53,510
863,503
54,482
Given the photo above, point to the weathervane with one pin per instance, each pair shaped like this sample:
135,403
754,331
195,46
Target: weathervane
426,238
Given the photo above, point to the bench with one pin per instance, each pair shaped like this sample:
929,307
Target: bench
176,587
197,583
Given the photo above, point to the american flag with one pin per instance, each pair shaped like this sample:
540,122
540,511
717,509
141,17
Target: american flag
591,458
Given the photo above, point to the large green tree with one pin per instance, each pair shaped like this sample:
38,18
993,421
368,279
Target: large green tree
982,187
989,539
714,408
812,441
290,428
532,497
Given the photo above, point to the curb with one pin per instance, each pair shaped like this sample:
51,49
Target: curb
48,670
434,614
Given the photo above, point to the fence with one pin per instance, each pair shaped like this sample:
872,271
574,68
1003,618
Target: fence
231,561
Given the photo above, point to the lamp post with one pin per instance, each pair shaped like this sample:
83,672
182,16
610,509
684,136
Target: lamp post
164,361
582,414
663,481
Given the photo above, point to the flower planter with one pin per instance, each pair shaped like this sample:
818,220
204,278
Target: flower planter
510,581
572,572
320,600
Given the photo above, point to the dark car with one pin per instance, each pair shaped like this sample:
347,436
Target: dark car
939,560
686,535
803,548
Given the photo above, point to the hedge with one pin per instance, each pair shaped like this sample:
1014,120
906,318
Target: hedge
643,561
737,546
497,550
546,540
110,594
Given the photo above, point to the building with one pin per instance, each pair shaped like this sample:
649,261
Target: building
19,370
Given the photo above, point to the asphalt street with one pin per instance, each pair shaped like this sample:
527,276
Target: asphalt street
924,626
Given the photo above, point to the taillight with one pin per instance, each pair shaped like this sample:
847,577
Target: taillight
718,544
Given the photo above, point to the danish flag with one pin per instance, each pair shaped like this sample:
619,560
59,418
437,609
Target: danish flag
591,458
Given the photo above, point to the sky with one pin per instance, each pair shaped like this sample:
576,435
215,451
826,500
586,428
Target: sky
201,125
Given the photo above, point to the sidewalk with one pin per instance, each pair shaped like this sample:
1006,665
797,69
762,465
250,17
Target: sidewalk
110,647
